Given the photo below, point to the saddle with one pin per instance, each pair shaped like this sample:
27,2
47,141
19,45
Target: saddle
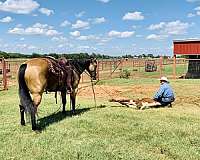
61,70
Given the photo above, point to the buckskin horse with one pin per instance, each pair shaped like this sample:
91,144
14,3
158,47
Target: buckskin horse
45,74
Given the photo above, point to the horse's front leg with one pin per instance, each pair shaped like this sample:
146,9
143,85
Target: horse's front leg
73,101
21,108
64,101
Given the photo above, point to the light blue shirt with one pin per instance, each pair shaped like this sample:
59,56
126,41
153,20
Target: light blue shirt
165,93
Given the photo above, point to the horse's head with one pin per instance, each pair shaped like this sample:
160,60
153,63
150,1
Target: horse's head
92,68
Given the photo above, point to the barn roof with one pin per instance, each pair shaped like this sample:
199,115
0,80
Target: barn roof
187,47
186,40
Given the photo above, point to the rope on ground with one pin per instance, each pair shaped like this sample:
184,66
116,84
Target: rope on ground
107,92
95,102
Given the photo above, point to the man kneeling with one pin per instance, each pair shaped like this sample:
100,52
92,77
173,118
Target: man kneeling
165,94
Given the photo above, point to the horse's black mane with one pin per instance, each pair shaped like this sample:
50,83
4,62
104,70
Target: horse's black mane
80,64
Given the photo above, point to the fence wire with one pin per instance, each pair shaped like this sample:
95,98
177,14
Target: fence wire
114,68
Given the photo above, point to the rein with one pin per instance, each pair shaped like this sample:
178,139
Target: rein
78,71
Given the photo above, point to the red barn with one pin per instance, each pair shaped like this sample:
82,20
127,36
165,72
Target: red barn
187,47
192,49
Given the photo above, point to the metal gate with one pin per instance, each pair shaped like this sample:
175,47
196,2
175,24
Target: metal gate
3,75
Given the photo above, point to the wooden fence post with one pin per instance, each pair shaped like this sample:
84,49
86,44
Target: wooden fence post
5,87
122,64
98,63
161,65
111,69
174,67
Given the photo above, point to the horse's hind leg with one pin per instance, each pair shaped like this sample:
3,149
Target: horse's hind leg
22,114
64,101
33,119
36,101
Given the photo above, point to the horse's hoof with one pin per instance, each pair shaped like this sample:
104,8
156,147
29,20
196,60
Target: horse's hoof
23,123
73,113
34,128
64,112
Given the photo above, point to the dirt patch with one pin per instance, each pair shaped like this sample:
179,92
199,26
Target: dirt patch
109,92
188,100
144,89
102,91
133,92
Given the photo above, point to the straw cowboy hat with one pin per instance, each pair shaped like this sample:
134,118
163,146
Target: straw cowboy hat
164,79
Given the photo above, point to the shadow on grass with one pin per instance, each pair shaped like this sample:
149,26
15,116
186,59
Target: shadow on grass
56,117
59,116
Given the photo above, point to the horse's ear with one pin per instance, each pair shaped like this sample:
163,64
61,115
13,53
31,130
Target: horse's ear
93,60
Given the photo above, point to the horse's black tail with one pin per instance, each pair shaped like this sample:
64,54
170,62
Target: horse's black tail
24,95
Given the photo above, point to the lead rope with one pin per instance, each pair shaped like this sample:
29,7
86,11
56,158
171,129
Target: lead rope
95,102
108,93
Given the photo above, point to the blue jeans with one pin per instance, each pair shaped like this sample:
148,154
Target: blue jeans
165,101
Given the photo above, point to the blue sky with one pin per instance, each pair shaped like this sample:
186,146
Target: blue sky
112,27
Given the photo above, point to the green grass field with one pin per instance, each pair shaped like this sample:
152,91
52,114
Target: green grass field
108,131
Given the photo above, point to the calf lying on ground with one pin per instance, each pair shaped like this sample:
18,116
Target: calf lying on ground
138,103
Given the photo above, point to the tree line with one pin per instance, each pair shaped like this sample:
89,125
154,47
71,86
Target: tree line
73,55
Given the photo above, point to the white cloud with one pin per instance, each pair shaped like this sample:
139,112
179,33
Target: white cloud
157,26
65,23
192,1
16,30
156,37
171,28
191,15
85,38
39,25
36,29
60,45
117,34
51,32
80,25
197,8
55,39
26,46
65,46
100,44
198,13
84,47
22,45
46,11
59,39
99,20
19,6
104,1
75,33
80,14
22,39
133,16
32,47
6,19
